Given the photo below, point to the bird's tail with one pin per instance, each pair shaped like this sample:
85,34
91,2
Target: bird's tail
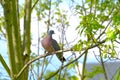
62,59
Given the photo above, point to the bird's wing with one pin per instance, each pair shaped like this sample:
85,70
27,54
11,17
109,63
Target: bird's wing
55,45
56,48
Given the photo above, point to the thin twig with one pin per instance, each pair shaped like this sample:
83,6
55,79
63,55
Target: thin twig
48,62
102,63
84,65
60,71
42,70
96,57
65,66
107,24
38,69
49,15
34,4
117,41
38,57
104,29
77,65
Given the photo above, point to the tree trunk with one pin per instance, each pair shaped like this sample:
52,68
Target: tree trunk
15,47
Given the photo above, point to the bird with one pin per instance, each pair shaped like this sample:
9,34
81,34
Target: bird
50,45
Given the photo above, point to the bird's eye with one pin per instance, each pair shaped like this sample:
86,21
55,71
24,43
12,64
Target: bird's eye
52,32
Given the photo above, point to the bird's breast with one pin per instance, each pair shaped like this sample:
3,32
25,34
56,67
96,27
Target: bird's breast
47,45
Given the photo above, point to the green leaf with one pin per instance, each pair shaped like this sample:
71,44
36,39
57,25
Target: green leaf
71,66
117,75
78,46
73,78
95,25
95,71
77,7
116,19
112,53
48,74
111,34
105,51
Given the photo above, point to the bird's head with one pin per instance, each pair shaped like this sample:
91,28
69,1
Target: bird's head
51,32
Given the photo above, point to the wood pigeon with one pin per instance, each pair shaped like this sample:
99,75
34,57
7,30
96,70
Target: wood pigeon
51,45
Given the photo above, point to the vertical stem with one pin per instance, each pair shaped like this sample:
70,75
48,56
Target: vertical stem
27,38
49,15
42,70
38,69
102,63
27,21
103,66
7,6
88,40
16,35
84,65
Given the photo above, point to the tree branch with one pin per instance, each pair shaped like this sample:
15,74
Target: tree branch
108,23
40,56
4,64
62,67
34,4
102,64
57,52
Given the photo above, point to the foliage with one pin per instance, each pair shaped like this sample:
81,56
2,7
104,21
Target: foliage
99,27
98,21
95,70
116,76
64,76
